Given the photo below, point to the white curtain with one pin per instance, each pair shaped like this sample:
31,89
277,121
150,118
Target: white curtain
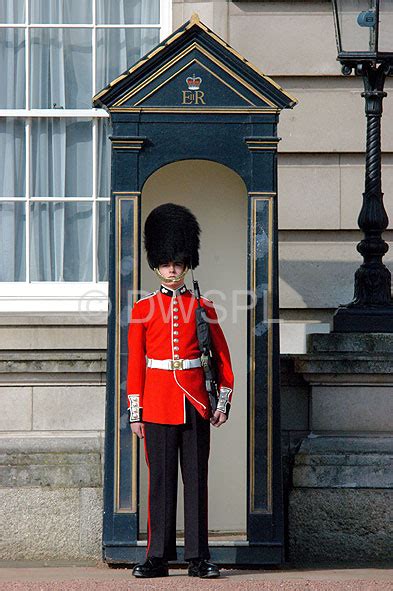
128,12
61,148
119,49
103,172
61,11
12,241
12,214
61,234
12,144
12,68
12,11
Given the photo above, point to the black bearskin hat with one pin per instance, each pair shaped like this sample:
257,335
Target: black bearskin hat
171,234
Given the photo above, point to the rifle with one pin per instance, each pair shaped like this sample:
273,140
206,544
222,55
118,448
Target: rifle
207,359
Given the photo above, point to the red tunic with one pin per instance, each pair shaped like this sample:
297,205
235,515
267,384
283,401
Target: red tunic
162,326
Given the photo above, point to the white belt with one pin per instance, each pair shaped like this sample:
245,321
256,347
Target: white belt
174,363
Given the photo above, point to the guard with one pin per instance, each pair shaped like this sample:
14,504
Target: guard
167,397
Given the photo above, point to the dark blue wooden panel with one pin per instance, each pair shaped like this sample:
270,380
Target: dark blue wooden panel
121,459
260,328
127,213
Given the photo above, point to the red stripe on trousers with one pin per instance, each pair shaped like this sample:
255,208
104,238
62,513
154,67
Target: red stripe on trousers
148,498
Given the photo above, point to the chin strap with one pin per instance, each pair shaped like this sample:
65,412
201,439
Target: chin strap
172,279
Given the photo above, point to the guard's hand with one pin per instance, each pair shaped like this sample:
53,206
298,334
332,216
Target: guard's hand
138,428
218,419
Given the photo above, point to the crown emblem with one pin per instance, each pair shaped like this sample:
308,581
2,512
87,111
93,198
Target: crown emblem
194,82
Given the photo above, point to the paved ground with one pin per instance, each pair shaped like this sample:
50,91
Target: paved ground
27,577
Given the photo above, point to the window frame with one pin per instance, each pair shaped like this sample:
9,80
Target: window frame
22,296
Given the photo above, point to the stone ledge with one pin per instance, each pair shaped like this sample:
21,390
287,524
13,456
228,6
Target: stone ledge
49,442
52,361
367,343
53,338
53,319
50,470
339,357
348,368
344,462
320,444
55,462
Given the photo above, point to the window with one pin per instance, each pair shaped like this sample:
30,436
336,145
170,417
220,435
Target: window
54,152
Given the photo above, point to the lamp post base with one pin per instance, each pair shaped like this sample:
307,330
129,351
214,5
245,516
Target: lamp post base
357,319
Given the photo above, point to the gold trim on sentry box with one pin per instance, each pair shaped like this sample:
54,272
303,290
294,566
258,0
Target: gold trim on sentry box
134,197
254,145
238,78
269,432
202,50
125,147
194,21
166,67
156,74
127,144
193,61
263,148
190,110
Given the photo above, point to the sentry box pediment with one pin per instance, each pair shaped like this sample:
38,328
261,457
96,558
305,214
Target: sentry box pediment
193,67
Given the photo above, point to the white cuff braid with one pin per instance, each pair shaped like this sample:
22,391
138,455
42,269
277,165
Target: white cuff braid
223,404
134,408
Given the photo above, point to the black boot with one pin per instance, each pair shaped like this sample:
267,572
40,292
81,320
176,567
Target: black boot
153,567
203,569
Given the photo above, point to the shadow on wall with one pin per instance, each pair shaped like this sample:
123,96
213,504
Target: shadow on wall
316,283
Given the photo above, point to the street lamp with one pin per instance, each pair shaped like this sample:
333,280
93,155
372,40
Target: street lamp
364,35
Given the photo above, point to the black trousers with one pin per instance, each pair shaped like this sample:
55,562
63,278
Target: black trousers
163,445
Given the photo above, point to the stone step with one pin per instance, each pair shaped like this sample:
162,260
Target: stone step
364,343
344,462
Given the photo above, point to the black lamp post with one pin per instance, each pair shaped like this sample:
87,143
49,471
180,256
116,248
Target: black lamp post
364,31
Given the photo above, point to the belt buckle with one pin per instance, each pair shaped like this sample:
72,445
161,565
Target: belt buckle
177,363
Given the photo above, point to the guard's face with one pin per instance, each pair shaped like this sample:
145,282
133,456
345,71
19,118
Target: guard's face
172,269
